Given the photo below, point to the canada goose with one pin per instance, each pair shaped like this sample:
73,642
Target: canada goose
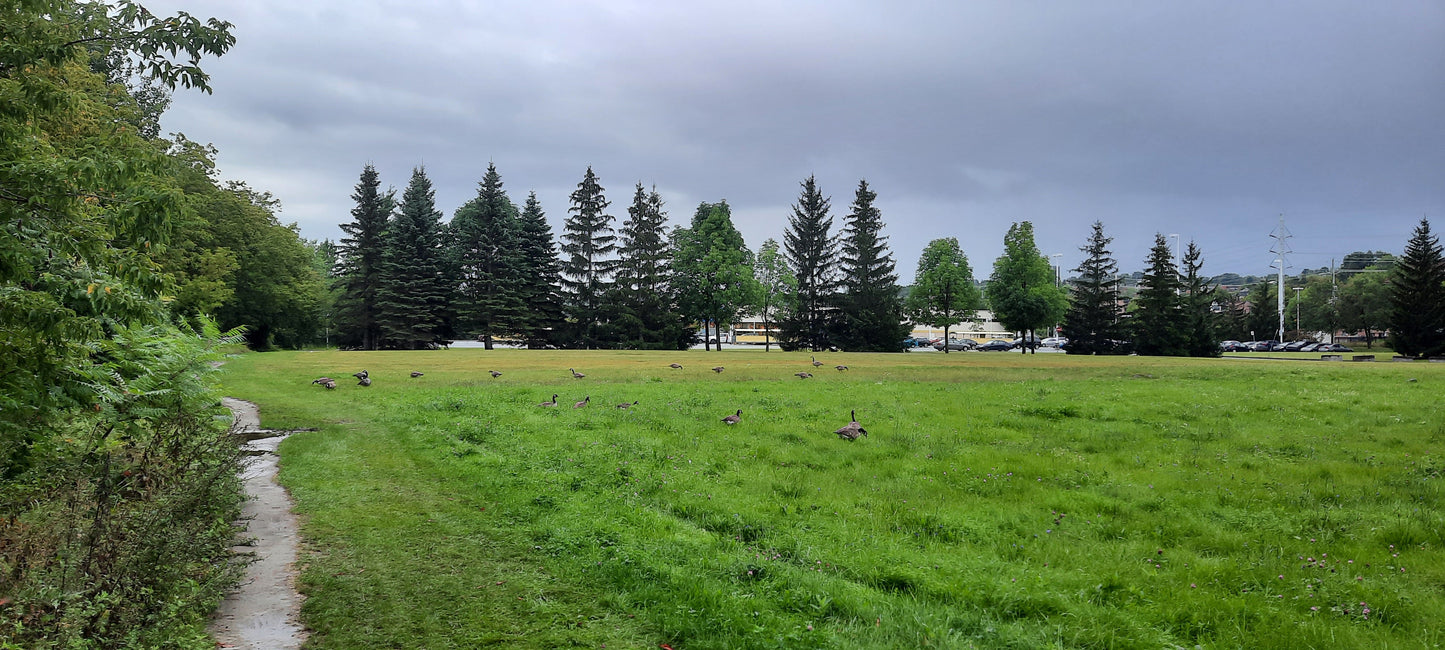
495,374
816,362
365,381
576,375
415,374
551,403
582,403
330,384
841,368
625,405
853,430
675,366
322,380
717,369
803,375
360,375
734,418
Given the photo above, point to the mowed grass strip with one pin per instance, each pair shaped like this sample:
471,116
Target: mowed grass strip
1000,500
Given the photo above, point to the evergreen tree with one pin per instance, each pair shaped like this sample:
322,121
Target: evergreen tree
776,283
1417,296
1092,323
1158,321
485,235
414,296
1022,291
713,268
1263,313
644,317
540,279
811,253
944,292
587,244
872,312
1196,305
360,263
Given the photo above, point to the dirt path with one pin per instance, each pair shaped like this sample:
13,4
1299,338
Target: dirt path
264,612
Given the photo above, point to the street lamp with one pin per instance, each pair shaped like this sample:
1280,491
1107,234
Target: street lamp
1296,307
1056,267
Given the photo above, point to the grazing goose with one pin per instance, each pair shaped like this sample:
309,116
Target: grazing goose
551,403
365,381
675,366
495,374
329,384
816,362
576,375
717,369
582,403
322,380
360,375
803,375
415,374
625,405
734,418
853,430
841,368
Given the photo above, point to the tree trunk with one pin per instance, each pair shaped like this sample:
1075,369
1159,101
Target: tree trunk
486,341
945,339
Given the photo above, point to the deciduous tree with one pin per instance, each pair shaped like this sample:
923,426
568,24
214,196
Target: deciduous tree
713,268
943,292
776,284
1022,291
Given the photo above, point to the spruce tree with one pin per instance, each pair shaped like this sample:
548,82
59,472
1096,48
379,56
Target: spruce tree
1417,296
485,235
1196,305
872,312
811,251
1092,323
359,266
1022,291
1263,315
587,266
1158,321
414,296
540,279
642,292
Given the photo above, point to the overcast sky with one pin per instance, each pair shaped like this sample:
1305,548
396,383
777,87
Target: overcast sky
1204,119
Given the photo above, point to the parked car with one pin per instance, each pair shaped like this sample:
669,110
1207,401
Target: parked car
1310,347
1054,342
997,345
1296,346
911,342
1234,346
1020,342
957,344
1333,347
1264,346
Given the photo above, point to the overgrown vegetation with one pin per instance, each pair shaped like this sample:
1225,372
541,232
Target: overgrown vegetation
117,484
999,501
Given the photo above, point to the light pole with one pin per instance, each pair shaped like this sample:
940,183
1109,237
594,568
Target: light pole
1057,282
1296,307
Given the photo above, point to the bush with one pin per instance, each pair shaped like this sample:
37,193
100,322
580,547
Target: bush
117,533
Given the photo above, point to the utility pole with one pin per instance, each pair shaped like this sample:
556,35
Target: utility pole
1281,248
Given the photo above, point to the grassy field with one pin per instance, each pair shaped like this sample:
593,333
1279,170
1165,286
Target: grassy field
1000,500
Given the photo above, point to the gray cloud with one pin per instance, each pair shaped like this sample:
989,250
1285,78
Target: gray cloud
1203,119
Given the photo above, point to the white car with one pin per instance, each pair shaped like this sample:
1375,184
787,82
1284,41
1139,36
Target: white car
1054,341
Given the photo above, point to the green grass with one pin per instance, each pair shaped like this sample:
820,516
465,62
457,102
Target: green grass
1001,500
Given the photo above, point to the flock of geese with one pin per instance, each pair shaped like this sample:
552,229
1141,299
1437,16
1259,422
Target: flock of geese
851,431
